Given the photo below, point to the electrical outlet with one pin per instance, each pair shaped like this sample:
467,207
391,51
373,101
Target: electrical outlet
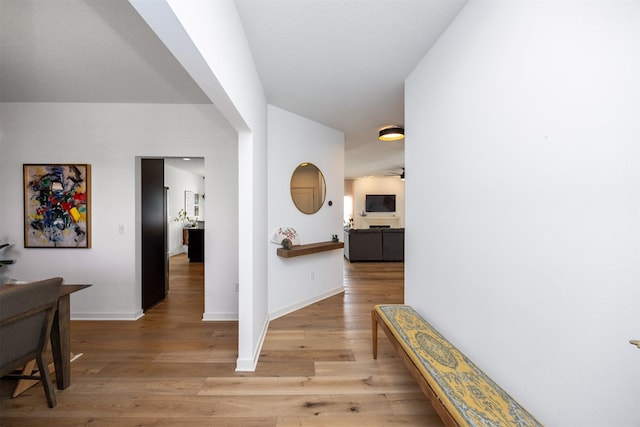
313,275
237,287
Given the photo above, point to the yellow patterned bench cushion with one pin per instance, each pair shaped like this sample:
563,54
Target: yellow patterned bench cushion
469,395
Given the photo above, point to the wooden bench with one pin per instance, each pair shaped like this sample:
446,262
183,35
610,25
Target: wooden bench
460,392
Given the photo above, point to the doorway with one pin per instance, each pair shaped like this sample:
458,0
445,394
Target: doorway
185,178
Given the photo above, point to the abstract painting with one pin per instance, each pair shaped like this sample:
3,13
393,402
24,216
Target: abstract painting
57,206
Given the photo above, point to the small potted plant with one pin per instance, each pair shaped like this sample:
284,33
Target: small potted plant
6,261
186,221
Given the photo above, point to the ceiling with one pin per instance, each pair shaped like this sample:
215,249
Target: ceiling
338,62
194,165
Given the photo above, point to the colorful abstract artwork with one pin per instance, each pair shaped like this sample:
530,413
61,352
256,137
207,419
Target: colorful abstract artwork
57,206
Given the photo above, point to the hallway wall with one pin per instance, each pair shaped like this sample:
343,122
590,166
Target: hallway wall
524,199
109,137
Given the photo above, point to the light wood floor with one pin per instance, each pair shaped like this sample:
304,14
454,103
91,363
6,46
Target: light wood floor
172,369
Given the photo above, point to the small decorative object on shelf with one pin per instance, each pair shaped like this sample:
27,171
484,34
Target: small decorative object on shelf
334,238
285,233
286,243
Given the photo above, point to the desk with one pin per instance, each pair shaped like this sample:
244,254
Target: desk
61,335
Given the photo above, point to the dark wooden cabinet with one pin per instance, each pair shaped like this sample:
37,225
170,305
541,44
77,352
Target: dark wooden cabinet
196,244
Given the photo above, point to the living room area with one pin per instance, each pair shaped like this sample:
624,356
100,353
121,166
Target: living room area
374,217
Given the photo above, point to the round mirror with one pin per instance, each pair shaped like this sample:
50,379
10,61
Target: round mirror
308,188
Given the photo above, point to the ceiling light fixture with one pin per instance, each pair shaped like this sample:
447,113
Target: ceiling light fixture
391,133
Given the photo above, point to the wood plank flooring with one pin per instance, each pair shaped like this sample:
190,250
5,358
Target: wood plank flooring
172,369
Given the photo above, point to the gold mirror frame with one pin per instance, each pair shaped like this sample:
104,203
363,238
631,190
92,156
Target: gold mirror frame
308,188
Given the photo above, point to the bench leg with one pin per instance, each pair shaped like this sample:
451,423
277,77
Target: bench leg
374,334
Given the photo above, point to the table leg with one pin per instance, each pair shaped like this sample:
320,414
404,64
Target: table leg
61,342
374,334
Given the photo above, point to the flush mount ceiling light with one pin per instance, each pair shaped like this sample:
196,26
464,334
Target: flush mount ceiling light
391,133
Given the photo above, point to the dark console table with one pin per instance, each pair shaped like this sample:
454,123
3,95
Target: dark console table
196,244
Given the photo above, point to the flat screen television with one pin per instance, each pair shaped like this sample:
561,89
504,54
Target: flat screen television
380,203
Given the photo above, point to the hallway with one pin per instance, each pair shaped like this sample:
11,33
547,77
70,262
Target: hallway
170,368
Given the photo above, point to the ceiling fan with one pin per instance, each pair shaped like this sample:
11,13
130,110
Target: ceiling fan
396,173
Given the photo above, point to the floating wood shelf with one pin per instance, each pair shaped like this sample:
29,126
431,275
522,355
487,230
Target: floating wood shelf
311,248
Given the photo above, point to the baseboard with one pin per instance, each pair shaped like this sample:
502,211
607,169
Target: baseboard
107,316
215,317
178,251
302,304
249,365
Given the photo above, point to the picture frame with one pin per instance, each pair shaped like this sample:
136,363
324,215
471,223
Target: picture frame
189,203
196,205
57,205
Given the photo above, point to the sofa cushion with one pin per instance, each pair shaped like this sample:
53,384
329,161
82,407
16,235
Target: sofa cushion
363,245
365,230
393,244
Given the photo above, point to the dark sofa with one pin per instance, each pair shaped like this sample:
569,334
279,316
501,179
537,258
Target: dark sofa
374,244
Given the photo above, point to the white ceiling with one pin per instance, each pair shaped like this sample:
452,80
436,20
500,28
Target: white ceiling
338,62
193,165
86,51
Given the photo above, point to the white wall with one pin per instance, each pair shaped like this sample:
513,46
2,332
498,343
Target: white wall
523,141
110,137
294,140
208,39
179,181
378,185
